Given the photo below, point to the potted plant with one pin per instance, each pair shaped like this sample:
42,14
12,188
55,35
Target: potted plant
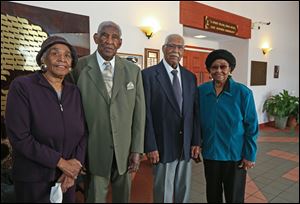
293,118
281,106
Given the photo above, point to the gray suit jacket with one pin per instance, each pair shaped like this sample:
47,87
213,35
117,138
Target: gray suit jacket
116,125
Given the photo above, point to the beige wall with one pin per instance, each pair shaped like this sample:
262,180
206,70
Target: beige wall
283,35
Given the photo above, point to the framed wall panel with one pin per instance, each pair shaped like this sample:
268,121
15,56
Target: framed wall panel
258,73
151,57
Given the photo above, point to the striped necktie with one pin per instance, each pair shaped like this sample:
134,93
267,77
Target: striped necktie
177,88
108,77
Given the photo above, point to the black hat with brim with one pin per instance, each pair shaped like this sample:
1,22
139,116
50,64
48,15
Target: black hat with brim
220,54
52,40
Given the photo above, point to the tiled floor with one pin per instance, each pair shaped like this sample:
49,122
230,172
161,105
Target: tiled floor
275,179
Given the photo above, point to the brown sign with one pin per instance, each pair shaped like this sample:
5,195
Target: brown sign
220,26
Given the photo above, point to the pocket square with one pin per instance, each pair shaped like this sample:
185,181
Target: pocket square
130,86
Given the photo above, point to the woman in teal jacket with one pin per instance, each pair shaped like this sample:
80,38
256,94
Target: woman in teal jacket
229,130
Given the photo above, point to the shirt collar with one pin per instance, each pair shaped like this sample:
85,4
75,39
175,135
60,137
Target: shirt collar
101,61
169,68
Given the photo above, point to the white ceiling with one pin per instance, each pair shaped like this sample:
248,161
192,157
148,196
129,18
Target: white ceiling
215,37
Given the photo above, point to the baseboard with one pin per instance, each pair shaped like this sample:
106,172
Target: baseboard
267,124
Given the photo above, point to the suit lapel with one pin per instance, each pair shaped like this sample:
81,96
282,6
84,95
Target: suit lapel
96,76
186,91
164,80
119,76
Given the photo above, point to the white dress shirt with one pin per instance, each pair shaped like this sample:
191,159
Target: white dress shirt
101,61
169,69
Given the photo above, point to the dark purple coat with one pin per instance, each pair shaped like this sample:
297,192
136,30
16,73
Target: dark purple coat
41,129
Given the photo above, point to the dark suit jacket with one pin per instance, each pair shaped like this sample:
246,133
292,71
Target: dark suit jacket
167,130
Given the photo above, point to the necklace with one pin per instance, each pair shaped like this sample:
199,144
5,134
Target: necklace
56,83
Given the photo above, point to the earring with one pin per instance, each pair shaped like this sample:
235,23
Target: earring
44,67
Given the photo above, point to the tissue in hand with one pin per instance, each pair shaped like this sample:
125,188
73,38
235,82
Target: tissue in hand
56,194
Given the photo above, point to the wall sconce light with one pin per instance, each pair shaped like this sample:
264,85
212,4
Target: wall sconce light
266,50
149,26
148,30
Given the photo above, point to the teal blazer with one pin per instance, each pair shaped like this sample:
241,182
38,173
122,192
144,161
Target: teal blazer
116,125
229,124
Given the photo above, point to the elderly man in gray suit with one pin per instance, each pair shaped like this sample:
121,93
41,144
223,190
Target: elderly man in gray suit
114,105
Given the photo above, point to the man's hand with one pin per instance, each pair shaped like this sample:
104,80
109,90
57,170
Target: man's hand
195,151
134,162
153,157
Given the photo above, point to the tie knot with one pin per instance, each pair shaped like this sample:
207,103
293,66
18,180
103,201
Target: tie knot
107,65
174,72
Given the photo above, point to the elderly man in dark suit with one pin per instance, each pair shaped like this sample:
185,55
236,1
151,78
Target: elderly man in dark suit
172,134
113,100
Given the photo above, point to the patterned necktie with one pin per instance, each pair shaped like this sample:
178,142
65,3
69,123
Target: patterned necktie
177,88
108,77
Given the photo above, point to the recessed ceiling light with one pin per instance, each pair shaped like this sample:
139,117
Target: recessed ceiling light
200,36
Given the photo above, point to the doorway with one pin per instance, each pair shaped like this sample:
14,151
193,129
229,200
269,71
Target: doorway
195,62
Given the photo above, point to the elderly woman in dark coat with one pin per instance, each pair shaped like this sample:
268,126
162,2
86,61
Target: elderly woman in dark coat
45,125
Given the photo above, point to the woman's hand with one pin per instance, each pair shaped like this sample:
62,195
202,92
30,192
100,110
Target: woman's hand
246,164
70,167
66,182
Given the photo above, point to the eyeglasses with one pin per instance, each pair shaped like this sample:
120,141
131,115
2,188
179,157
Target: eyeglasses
173,46
216,67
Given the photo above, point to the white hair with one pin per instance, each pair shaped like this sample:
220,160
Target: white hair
109,24
169,37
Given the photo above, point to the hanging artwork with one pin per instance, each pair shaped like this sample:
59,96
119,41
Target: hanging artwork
134,58
151,57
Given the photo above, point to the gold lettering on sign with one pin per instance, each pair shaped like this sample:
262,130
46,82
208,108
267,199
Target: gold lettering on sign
20,43
220,26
